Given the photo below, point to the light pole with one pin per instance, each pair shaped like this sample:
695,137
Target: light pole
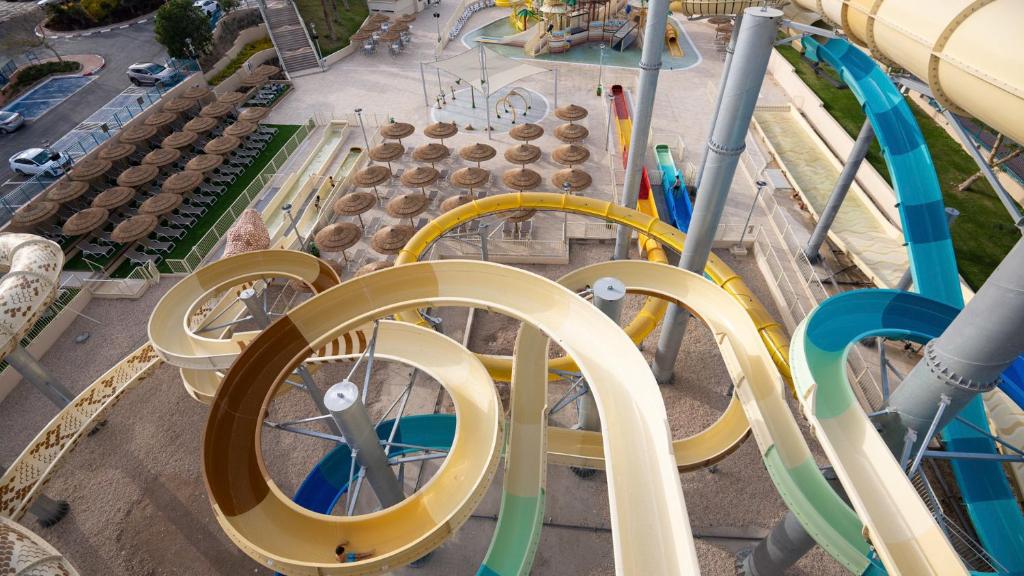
359,114
600,71
287,209
739,245
608,129
437,22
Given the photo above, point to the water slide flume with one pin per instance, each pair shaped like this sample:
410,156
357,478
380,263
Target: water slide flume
32,267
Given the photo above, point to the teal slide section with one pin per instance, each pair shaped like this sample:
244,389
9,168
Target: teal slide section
680,209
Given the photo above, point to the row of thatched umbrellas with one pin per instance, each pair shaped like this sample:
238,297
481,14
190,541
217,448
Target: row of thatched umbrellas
374,24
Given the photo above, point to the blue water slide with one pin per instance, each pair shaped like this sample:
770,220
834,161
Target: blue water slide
680,209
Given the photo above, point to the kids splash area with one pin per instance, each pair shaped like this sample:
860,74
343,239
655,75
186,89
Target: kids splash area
583,287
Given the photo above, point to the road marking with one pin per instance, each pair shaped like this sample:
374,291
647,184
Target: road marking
124,26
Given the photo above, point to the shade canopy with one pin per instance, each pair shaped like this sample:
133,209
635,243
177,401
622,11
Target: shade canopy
576,178
231,98
372,176
354,203
453,202
248,234
163,203
478,152
523,154
89,168
162,118
570,155
180,139
137,133
338,237
407,205
521,179
162,157
240,129
182,182
85,221
65,190
361,36
431,152
387,152
520,215
420,176
138,175
253,114
195,92
134,228
526,132
441,130
570,133
379,18
390,36
204,162
201,124
253,80
35,213
266,70
391,239
476,64
406,18
470,177
396,130
399,27
178,105
216,110
373,267
571,113
221,145
113,197
116,150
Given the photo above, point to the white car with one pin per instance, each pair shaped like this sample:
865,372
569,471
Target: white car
151,74
10,121
40,161
210,7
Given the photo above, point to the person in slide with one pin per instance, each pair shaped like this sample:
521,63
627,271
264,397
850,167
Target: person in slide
345,556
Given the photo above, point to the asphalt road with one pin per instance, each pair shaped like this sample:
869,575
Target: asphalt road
120,48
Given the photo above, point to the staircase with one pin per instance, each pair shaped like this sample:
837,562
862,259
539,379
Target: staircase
289,36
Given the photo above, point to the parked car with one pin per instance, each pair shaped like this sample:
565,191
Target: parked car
40,161
10,121
151,74
210,7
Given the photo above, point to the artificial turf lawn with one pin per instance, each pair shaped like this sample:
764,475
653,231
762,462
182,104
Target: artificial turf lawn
984,233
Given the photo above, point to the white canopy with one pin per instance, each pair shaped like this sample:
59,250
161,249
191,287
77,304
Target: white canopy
481,63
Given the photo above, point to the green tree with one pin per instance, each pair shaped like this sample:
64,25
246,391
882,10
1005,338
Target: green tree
178,24
228,5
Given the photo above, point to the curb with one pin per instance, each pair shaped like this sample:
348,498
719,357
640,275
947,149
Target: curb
103,64
43,32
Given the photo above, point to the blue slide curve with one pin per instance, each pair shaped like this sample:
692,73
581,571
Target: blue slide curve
988,497
680,209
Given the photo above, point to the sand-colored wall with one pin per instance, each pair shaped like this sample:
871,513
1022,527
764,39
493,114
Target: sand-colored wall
245,37
233,82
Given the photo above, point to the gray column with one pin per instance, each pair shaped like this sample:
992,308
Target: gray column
32,371
351,415
729,50
839,191
739,96
650,65
46,510
967,359
907,279
609,296
783,546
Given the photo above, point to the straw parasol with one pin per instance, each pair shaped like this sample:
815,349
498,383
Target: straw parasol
370,27
85,221
519,216
570,155
526,132
571,133
407,206
576,178
114,151
387,152
201,124
247,234
399,27
379,18
391,239
89,168
431,153
180,140
231,98
183,182
162,118
471,177
204,162
478,153
420,177
441,130
523,154
240,129
216,110
113,197
178,105
162,157
338,237
137,176
355,204
396,131
221,145
390,36
34,213
372,176
571,113
253,80
453,202
522,179
134,228
266,70
195,92
361,36
65,190
406,18
253,114
372,267
137,133
163,203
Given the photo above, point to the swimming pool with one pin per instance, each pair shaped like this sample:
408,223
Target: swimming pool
46,96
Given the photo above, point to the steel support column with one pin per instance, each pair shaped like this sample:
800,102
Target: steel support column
32,371
729,51
609,296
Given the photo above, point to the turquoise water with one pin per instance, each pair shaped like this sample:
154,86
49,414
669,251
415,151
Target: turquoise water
589,53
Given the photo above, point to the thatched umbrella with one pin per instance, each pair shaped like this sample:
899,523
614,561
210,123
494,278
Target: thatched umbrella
379,18
248,234
519,216
407,206
370,27
134,228
478,153
85,170
571,133
221,145
180,140
523,154
396,131
387,152
65,190
391,239
406,18
240,129
522,179
201,124
113,197
420,177
115,151
253,80
526,132
453,202
390,36
371,177
233,98
85,221
432,153
471,177
162,157
35,213
203,163
163,203
195,92
338,237
372,267
571,113
159,119
355,204
136,134
253,114
178,105
137,176
361,36
570,155
266,70
441,130
216,110
576,178
399,27
183,182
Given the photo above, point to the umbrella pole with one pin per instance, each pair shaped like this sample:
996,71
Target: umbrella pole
361,225
345,256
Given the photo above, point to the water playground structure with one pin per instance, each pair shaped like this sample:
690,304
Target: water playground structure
872,507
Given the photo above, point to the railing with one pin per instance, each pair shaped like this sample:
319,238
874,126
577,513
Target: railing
64,297
205,245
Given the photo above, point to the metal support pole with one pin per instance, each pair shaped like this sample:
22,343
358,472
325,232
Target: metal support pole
32,371
968,358
46,510
423,81
484,253
556,87
839,191
609,296
650,66
608,128
907,280
739,96
729,51
932,428
783,546
351,416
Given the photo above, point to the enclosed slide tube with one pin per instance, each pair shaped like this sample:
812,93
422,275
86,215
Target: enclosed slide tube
31,268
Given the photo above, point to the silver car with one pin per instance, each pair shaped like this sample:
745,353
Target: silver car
10,121
40,161
151,74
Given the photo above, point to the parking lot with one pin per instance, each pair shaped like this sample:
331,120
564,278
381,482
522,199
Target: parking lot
43,98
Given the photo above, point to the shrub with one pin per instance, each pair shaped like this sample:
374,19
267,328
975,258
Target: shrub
83,14
244,54
179,23
31,74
